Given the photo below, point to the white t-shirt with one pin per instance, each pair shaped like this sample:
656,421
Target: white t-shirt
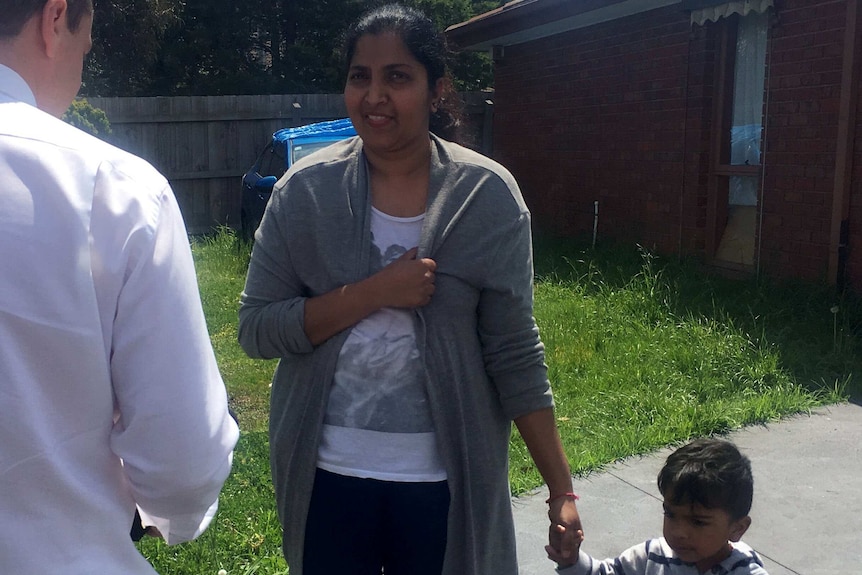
378,422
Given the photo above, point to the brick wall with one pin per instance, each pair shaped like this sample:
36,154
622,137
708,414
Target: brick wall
620,113
854,261
801,137
597,114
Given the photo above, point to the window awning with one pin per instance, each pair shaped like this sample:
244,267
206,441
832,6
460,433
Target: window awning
703,11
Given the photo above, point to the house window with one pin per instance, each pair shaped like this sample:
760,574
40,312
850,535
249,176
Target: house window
736,149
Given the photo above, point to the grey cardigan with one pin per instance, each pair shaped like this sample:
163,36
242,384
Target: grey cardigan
478,339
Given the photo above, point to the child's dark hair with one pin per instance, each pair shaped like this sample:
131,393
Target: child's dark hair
711,472
426,44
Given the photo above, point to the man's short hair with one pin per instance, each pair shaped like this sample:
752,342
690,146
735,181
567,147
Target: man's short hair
16,13
710,472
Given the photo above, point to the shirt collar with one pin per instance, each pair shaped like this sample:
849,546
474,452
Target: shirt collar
13,86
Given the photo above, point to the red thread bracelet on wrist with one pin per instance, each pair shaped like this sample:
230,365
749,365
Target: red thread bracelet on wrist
569,494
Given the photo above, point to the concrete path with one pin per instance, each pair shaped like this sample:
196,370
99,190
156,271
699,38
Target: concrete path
807,511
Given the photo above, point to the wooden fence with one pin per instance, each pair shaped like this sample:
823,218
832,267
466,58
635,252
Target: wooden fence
204,144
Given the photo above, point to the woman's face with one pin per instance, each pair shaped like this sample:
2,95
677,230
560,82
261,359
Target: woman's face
387,95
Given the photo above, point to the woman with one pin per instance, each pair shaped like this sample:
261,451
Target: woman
392,274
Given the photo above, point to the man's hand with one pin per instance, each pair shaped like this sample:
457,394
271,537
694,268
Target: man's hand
138,530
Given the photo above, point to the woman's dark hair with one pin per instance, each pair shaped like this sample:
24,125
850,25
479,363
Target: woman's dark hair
16,13
710,472
426,44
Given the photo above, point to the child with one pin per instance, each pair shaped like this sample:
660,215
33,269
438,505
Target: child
707,488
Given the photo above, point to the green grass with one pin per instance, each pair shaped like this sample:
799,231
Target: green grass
221,261
643,352
245,536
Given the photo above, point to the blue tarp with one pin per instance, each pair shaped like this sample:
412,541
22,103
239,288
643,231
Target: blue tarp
332,129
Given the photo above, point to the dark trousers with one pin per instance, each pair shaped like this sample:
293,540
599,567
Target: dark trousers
365,527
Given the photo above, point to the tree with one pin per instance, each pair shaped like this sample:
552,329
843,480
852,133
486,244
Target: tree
471,70
127,38
260,48
219,47
209,52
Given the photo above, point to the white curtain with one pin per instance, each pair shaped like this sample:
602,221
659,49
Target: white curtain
742,7
748,89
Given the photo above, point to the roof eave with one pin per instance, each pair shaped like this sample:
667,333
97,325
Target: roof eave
525,20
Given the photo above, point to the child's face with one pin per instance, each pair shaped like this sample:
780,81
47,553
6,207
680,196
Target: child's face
699,534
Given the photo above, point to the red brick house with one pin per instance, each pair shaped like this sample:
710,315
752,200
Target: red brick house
728,130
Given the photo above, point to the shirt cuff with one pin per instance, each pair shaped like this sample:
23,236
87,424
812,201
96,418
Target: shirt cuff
583,565
179,529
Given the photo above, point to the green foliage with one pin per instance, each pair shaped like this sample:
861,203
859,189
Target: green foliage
84,116
645,352
201,47
128,36
221,261
642,353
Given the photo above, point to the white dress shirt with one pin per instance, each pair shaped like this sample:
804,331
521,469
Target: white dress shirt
110,396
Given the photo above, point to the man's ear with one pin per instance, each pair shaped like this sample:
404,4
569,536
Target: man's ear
54,25
739,527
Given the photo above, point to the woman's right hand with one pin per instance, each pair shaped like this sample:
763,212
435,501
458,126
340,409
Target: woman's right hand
407,282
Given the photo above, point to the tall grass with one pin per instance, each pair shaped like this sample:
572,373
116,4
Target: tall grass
245,536
642,352
221,261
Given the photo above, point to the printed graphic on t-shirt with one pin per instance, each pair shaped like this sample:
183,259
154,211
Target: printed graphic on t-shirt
378,382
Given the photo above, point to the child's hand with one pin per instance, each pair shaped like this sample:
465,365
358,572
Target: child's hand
554,554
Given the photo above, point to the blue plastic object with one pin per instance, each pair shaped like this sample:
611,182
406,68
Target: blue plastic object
266,183
300,141
286,147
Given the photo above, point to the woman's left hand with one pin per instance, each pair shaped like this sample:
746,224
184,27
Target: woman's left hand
539,431
565,533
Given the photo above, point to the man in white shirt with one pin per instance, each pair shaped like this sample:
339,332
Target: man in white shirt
110,397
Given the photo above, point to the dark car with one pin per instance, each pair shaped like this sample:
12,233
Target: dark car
286,147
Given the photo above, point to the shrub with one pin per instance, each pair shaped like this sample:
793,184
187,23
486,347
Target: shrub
88,118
